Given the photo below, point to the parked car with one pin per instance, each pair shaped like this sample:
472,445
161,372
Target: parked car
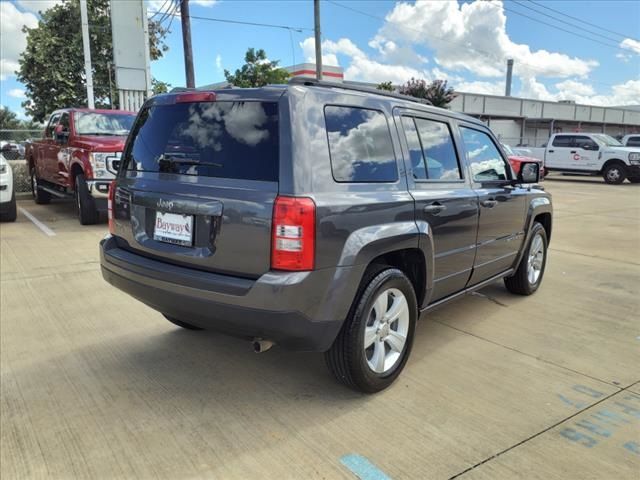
77,156
11,150
632,140
319,217
8,211
591,154
517,159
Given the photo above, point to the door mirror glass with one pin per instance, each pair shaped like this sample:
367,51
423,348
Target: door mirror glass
529,172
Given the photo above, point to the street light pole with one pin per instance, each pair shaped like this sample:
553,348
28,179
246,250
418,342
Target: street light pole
84,19
316,20
186,43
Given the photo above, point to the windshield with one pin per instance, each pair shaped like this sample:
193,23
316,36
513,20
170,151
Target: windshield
508,149
93,123
607,140
237,140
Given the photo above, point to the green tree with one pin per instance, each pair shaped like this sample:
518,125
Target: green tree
52,64
8,119
158,86
387,86
437,92
257,71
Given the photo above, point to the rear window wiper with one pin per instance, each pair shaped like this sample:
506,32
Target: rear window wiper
186,161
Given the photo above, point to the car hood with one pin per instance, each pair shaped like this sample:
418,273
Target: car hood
620,149
100,143
522,158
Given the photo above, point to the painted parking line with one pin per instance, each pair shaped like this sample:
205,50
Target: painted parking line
43,228
363,468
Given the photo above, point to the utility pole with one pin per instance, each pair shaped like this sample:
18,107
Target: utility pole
84,18
316,20
186,43
507,88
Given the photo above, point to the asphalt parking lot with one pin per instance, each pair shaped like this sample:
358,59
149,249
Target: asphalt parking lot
96,385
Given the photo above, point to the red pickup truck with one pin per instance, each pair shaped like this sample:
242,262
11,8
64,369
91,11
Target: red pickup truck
78,155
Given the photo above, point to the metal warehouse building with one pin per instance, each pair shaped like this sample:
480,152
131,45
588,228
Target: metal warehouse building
516,121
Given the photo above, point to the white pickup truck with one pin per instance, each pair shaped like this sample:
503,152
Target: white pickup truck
591,154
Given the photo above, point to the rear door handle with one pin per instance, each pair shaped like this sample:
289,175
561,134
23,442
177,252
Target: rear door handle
434,208
489,203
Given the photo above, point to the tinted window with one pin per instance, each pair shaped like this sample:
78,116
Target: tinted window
415,149
484,158
584,142
64,121
360,145
562,141
633,142
213,139
439,152
48,132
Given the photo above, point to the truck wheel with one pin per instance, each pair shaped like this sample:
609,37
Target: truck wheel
530,271
180,323
614,173
375,341
40,196
11,214
87,213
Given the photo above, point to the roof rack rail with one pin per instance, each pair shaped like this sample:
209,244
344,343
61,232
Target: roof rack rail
346,86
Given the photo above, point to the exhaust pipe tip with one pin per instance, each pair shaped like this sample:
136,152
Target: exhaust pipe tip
260,345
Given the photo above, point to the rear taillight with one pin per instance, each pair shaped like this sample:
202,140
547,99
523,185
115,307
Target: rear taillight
293,241
112,194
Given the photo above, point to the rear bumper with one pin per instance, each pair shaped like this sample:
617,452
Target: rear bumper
300,311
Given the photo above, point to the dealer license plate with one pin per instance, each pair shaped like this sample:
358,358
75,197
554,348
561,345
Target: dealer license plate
174,228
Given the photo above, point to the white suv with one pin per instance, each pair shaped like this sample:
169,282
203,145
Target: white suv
7,195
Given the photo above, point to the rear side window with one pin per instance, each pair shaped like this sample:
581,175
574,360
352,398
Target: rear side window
360,145
486,163
439,152
236,140
633,142
415,149
562,141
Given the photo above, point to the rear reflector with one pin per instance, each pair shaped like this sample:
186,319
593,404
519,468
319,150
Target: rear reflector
294,234
112,194
194,97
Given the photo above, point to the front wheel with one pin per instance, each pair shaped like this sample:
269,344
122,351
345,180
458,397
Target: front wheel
374,344
528,276
614,173
86,206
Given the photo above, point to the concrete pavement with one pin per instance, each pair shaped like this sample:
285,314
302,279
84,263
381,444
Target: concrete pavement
96,385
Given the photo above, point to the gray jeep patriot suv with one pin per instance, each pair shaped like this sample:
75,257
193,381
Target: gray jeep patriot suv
318,216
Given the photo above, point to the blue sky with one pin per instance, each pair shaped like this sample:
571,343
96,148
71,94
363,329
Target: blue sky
464,42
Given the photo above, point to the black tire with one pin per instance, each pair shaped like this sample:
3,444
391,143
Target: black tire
519,283
614,173
182,324
12,212
39,196
634,179
86,206
347,358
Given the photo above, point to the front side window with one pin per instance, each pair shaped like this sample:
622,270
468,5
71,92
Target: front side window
584,142
484,158
48,132
236,140
109,124
360,145
633,142
563,141
439,152
64,121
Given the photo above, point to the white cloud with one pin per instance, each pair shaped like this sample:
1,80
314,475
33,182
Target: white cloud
630,44
16,93
573,87
472,37
219,62
627,93
36,6
487,88
204,3
11,37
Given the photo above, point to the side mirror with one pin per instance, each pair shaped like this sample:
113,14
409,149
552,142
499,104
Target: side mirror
60,134
529,172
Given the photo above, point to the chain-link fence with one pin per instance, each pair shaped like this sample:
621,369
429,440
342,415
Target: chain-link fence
13,144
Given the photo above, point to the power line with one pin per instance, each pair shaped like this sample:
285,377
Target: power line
561,29
583,21
254,24
463,45
565,22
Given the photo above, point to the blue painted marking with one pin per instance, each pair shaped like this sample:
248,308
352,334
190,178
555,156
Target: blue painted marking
588,391
363,468
581,438
568,401
633,447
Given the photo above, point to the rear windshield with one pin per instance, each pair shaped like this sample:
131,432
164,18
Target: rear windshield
213,139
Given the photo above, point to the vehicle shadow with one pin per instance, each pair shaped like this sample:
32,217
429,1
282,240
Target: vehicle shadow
595,180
